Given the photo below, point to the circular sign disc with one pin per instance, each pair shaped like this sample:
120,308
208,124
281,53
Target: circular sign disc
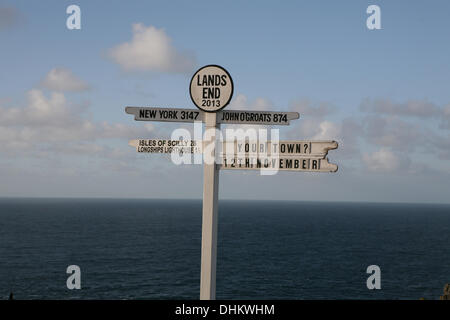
211,88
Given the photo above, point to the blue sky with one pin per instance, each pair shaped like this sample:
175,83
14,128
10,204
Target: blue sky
382,94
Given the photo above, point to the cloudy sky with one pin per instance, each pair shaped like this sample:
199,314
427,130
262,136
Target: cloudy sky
382,94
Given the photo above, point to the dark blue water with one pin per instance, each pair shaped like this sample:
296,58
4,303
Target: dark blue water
150,249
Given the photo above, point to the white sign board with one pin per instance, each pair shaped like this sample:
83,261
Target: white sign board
223,116
211,88
165,114
299,148
282,163
166,146
282,148
256,117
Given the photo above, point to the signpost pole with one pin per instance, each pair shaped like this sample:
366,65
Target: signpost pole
210,216
211,90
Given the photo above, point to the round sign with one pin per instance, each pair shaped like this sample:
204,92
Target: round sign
211,88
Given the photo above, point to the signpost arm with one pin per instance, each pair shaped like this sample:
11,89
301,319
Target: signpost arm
210,216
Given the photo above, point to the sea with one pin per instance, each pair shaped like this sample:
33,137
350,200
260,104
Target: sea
150,249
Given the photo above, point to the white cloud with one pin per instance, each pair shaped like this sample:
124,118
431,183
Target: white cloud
39,111
349,137
394,132
439,146
52,124
421,109
151,50
410,130
306,108
311,124
412,108
382,160
241,102
445,117
9,17
62,79
447,111
327,131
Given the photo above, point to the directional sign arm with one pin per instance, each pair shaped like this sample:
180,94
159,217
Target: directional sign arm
256,117
300,148
279,163
165,114
167,146
281,148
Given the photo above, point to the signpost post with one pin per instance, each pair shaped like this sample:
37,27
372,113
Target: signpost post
211,89
209,215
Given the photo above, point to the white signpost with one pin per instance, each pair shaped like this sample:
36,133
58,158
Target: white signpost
211,89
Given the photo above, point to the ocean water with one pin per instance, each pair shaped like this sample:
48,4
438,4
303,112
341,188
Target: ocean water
150,249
